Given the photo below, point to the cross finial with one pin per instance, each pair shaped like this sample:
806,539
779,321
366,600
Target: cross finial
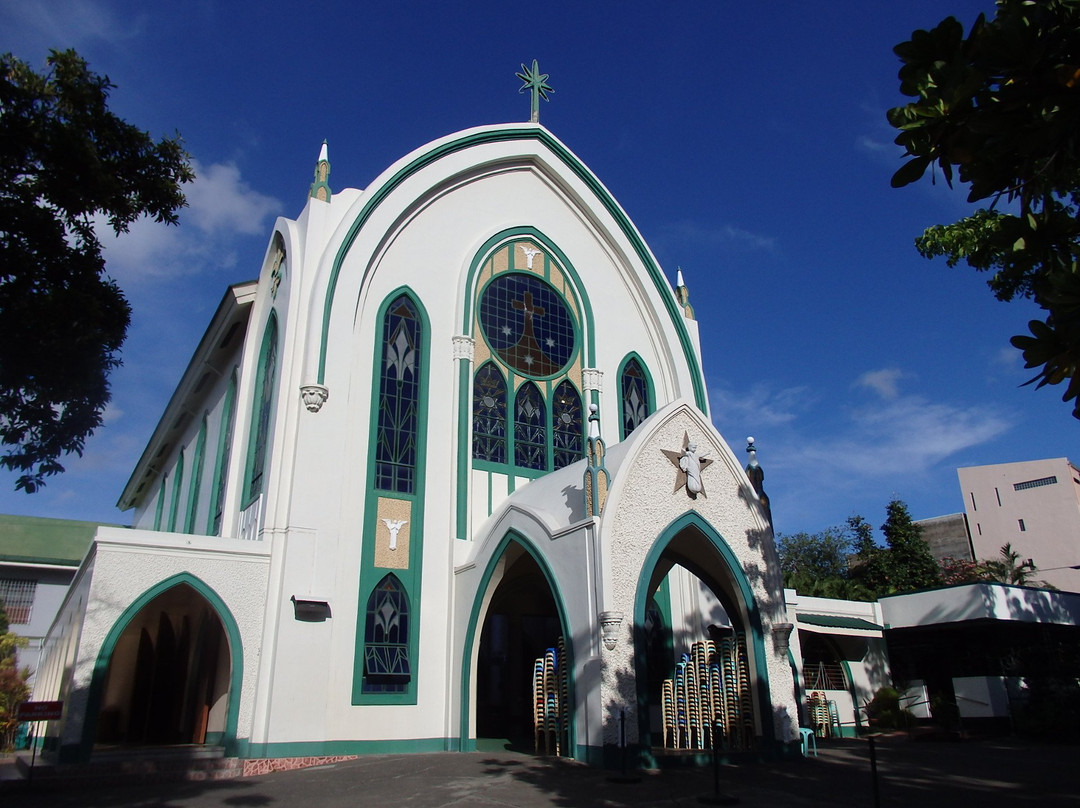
536,83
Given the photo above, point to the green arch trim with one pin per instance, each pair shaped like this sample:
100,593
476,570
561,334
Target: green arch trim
650,388
473,632
578,168
101,664
692,519
370,575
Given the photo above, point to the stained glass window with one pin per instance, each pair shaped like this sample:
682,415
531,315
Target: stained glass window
221,474
489,415
635,396
530,428
527,324
568,437
399,398
265,392
386,639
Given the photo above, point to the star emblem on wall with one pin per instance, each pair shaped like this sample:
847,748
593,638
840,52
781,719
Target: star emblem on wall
689,466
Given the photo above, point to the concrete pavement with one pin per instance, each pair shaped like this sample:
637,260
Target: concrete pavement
928,774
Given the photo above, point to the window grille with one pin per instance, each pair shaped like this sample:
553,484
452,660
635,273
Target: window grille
1039,483
17,595
824,676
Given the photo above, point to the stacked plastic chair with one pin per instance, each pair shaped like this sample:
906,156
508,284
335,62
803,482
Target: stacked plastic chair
818,706
708,702
551,702
746,704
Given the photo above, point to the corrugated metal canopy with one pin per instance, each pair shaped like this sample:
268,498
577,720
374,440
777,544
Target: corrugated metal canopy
837,621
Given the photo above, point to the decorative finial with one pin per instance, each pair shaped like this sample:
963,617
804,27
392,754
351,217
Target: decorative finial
596,477
682,294
536,83
756,474
752,451
320,187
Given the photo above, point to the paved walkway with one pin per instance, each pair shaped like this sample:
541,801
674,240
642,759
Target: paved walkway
926,774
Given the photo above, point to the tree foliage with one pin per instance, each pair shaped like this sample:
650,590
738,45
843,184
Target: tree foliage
14,689
1008,568
66,161
1001,106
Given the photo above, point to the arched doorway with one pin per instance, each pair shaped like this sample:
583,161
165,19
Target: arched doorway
165,674
717,626
522,629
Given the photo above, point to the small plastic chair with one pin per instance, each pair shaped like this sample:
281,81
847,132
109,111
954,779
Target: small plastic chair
806,738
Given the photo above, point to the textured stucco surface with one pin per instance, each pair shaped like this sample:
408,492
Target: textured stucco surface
642,505
126,568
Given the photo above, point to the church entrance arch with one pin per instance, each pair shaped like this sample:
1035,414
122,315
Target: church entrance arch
521,673
166,673
725,674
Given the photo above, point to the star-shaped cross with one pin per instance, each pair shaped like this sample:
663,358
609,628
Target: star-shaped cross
536,83
683,471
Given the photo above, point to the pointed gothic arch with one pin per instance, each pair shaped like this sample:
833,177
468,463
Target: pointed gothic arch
693,543
165,703
513,549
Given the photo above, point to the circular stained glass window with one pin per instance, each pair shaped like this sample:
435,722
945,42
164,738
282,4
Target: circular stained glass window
527,324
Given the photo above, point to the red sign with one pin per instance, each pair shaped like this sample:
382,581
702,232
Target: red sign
40,710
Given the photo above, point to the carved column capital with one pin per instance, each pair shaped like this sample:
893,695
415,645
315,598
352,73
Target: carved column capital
314,396
464,347
592,379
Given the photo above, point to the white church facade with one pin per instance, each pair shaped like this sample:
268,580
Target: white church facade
444,472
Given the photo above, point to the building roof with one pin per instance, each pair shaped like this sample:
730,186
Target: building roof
39,540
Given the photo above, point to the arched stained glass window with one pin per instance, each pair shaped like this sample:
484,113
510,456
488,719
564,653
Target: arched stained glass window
221,470
386,639
634,387
530,428
196,478
264,393
568,437
489,414
399,398
178,481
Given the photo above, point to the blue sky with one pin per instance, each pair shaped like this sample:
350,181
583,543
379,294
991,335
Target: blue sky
747,141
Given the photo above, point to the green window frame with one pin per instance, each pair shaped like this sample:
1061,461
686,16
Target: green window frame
178,482
159,510
636,398
224,453
196,478
263,404
527,320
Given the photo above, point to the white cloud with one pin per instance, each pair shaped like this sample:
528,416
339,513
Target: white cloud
221,209
220,200
825,458
726,236
759,407
884,382
60,24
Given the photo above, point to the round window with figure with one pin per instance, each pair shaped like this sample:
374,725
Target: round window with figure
527,324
